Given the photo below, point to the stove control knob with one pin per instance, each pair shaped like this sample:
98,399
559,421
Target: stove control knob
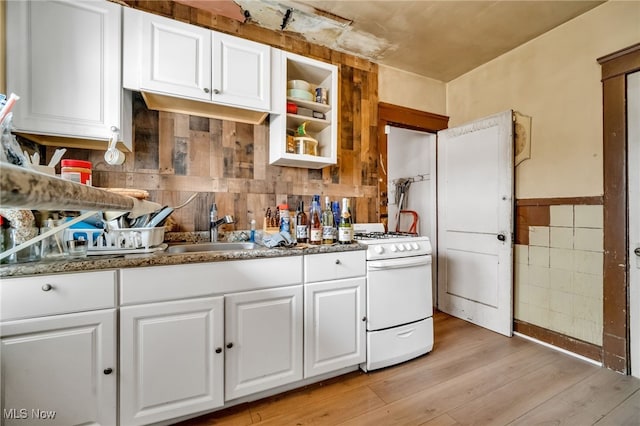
415,246
408,247
379,249
400,247
393,248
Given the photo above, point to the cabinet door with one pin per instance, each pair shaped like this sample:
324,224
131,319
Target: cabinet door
63,60
176,57
334,318
59,370
263,333
241,72
171,360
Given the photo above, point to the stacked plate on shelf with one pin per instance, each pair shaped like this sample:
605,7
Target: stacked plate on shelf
299,89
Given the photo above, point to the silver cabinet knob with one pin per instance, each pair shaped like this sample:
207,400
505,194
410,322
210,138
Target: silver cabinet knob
338,261
637,251
47,287
206,90
216,91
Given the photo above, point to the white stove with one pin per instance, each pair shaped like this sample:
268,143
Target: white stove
390,245
399,301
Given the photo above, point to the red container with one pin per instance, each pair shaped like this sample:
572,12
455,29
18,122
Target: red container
76,171
292,108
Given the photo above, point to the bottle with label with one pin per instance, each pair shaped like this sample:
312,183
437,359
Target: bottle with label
285,220
302,226
315,225
328,236
345,229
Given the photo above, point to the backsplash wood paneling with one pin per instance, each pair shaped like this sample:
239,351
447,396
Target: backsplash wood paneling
175,155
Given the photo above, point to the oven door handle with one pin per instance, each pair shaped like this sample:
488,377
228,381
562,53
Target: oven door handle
399,263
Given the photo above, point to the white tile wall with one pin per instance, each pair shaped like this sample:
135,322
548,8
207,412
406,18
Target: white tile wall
561,237
539,236
521,254
539,276
589,216
561,280
539,256
590,239
561,259
589,262
561,216
559,274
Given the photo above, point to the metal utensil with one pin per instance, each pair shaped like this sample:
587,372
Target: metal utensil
159,217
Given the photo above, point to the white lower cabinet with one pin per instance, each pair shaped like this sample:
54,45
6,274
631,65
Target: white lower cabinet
263,334
334,311
58,349
334,325
171,359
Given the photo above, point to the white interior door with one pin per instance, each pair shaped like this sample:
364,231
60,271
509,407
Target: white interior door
475,222
633,106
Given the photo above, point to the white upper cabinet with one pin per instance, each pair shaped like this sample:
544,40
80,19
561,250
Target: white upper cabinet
168,57
175,57
241,72
321,117
63,60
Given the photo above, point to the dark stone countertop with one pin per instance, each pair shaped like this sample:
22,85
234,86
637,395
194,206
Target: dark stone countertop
95,263
24,188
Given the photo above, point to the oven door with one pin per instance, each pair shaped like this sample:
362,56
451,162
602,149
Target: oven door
398,291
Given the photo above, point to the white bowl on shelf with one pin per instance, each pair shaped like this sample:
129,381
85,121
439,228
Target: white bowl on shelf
299,84
300,94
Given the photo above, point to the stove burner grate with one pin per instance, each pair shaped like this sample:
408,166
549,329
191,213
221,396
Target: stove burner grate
382,235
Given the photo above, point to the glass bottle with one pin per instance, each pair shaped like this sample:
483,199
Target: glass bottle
302,226
327,223
335,208
315,226
345,229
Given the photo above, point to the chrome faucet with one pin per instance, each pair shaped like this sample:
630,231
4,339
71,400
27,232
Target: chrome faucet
214,222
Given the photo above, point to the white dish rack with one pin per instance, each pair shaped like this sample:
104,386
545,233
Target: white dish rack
118,241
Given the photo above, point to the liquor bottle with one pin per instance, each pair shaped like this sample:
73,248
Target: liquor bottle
328,236
302,227
345,229
335,208
315,226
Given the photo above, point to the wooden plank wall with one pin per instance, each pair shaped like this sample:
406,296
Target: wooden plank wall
176,154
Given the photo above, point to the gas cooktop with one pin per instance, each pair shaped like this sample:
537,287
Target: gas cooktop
382,235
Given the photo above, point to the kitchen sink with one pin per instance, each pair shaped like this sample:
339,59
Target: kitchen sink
206,247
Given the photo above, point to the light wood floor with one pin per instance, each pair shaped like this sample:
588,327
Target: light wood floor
472,376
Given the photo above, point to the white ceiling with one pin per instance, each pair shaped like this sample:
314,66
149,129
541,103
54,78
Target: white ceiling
438,39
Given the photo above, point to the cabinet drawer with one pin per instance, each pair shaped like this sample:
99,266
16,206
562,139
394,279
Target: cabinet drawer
334,266
56,294
159,283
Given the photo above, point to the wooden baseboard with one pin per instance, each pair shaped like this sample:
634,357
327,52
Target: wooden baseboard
587,350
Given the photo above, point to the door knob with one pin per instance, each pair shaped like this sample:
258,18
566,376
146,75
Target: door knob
637,251
501,237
